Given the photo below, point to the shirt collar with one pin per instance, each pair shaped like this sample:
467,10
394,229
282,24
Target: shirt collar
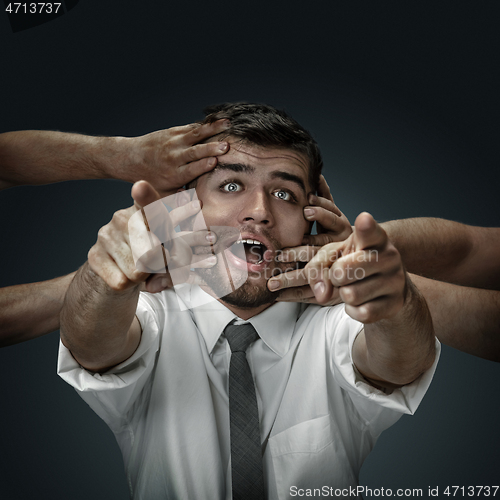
275,325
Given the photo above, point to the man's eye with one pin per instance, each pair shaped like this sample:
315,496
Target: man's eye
283,195
231,187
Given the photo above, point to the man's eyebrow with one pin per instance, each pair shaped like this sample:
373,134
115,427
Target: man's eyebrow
233,167
286,176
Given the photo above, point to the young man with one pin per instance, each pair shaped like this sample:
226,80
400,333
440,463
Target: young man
219,396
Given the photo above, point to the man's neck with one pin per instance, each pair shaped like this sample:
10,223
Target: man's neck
245,313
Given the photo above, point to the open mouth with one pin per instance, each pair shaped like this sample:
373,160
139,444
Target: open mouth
254,250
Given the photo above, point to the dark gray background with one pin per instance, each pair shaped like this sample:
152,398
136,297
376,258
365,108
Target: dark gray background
403,98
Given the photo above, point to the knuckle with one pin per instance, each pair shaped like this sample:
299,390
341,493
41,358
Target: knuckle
92,254
391,252
196,130
366,314
103,233
118,283
348,294
192,154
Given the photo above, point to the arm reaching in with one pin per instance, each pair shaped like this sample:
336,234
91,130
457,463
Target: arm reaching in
31,310
397,342
98,323
467,319
448,251
168,159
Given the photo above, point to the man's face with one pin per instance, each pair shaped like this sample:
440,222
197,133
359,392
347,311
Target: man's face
261,192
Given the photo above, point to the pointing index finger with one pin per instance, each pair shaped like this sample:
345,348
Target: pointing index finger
368,232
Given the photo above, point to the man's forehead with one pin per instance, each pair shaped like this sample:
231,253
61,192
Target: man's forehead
265,154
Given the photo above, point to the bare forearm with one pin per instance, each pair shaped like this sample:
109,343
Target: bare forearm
42,157
96,321
31,310
465,318
448,251
401,348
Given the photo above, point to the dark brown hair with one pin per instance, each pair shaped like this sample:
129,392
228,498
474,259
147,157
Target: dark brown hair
266,126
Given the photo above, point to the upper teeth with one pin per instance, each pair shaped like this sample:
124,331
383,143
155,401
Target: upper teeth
249,242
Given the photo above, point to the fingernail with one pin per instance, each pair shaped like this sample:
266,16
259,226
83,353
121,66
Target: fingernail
308,212
211,237
280,257
319,288
273,284
312,199
211,162
211,260
196,204
223,146
226,123
164,283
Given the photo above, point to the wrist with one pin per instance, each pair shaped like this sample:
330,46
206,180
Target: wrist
116,157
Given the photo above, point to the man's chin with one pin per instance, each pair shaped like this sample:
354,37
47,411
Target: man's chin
249,294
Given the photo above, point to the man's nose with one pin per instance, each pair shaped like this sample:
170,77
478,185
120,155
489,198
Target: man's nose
257,209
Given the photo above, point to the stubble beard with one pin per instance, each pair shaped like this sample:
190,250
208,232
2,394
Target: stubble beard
250,294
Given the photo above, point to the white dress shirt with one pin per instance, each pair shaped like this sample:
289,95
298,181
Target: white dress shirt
169,410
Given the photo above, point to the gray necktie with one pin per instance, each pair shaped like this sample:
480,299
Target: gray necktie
246,451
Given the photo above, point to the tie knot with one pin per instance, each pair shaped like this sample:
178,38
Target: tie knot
240,336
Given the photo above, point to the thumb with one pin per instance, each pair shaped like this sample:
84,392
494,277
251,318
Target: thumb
368,232
143,193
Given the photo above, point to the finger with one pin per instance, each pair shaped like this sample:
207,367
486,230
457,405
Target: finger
121,254
326,255
143,193
191,171
296,294
363,264
324,188
197,238
288,279
158,282
323,289
317,271
320,240
375,310
298,254
196,132
106,268
200,151
185,211
368,232
330,221
319,201
147,229
369,289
